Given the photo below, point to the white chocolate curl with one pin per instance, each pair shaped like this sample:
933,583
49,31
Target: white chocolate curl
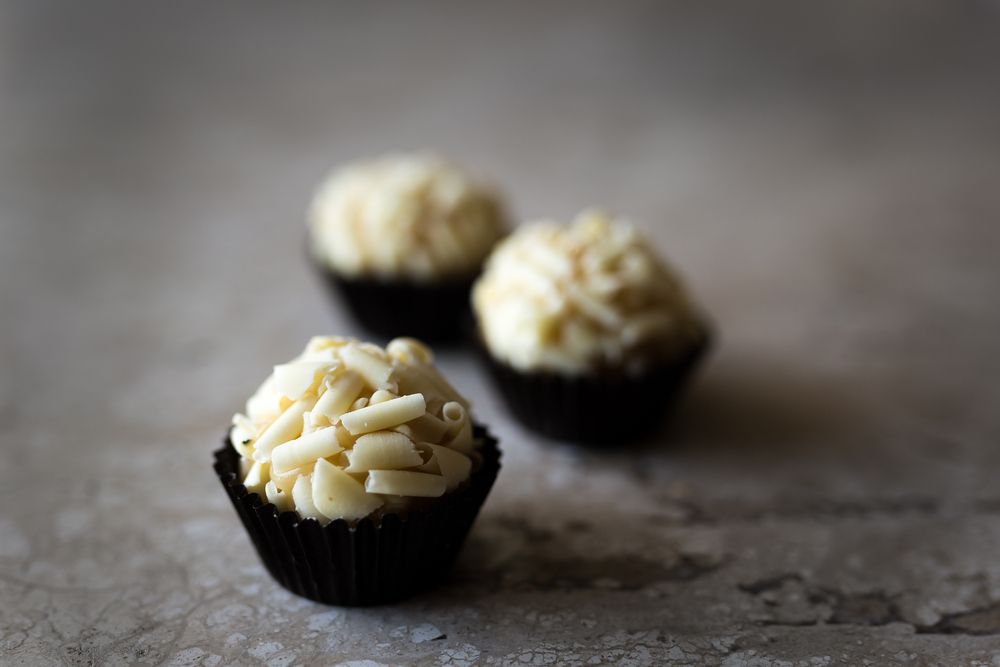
277,497
282,429
304,449
383,450
257,477
337,495
327,435
405,483
385,415
340,394
410,350
452,465
374,370
295,379
303,496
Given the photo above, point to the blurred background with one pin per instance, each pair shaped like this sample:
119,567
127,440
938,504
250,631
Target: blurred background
825,175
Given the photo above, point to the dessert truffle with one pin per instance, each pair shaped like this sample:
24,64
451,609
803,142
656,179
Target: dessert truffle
401,238
587,332
357,470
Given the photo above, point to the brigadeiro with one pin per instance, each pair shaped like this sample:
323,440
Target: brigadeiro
357,471
401,238
589,335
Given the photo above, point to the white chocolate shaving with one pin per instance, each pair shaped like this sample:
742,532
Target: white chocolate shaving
384,415
423,379
286,481
344,436
302,494
340,393
383,450
277,497
381,396
337,495
404,429
304,449
308,425
453,466
463,440
244,432
283,429
257,477
295,379
410,350
374,370
265,405
405,483
443,387
318,344
454,417
428,428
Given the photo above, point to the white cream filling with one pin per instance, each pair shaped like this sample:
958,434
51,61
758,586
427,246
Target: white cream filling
570,298
404,216
327,436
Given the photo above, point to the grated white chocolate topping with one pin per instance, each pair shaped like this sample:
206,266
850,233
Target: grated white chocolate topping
416,217
348,427
577,297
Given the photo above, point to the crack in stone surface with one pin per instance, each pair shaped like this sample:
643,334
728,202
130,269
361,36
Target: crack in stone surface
768,583
620,573
540,561
794,603
693,514
979,621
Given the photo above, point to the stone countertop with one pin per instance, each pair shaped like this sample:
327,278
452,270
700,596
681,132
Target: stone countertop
825,177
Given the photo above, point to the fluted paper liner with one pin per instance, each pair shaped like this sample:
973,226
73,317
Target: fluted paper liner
432,311
605,407
367,562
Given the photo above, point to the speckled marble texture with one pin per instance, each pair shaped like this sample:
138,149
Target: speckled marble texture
826,178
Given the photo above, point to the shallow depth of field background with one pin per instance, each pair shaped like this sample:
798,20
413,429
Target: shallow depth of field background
826,176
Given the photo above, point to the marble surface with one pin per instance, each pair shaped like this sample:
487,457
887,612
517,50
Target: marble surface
826,177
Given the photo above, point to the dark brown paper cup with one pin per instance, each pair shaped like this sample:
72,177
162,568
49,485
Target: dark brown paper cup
367,562
606,407
433,311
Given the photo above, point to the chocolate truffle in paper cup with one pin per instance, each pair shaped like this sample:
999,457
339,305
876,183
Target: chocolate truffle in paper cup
401,238
588,334
357,471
